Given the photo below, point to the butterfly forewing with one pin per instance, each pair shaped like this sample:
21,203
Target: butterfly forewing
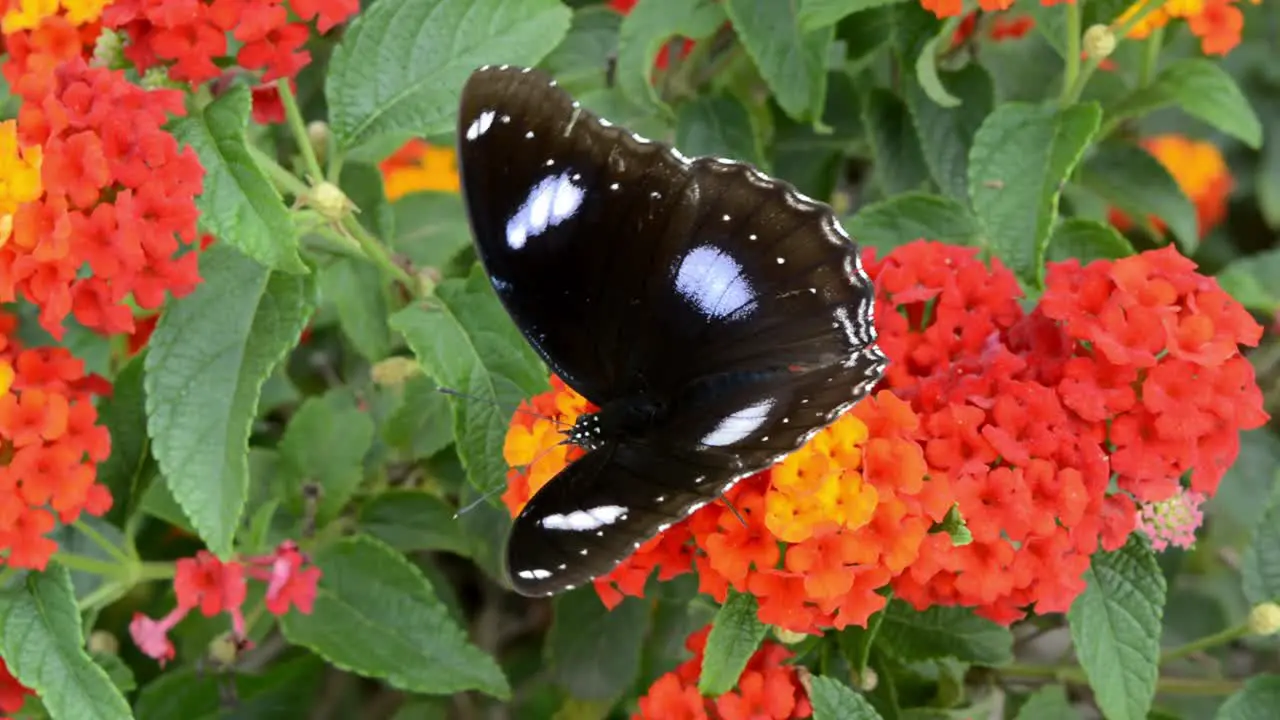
723,298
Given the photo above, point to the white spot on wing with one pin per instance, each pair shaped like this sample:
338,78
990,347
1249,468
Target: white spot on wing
549,203
713,281
739,425
480,125
535,574
580,520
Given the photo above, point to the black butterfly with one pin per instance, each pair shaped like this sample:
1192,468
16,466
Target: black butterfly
718,317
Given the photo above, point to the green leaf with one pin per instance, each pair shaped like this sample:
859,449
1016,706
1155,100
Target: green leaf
431,228
718,126
377,616
43,646
1129,178
1088,240
466,341
421,424
926,65
325,444
899,160
1047,703
359,297
209,357
792,62
942,632
120,674
1260,564
1251,280
594,652
833,700
275,693
581,61
412,520
400,66
362,183
239,205
129,470
1021,157
649,25
1257,701
946,134
1115,625
912,216
735,636
816,14
1202,89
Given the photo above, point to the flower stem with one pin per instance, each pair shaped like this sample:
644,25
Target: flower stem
1150,57
109,547
1071,675
1209,641
84,563
299,130
378,254
1071,78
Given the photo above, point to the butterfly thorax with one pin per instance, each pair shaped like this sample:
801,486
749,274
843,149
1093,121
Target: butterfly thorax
617,420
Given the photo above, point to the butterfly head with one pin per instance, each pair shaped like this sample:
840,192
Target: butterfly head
587,432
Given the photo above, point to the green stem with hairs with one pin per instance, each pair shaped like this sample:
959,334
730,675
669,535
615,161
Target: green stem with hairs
299,129
1071,78
1071,675
1205,643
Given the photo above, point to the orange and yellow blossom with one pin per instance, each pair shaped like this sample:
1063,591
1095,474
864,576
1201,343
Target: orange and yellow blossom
419,166
1218,23
1200,171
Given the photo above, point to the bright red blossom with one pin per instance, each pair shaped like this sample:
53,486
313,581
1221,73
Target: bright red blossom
217,587
768,689
50,447
13,694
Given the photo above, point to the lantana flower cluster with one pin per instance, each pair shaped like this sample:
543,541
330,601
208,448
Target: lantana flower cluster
115,192
419,166
768,689
50,447
815,538
1201,173
1056,423
217,587
13,694
1046,429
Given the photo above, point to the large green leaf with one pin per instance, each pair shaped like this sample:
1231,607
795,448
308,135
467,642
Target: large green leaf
1088,240
1202,89
209,357
1251,280
735,636
1021,157
401,64
793,62
718,126
946,133
941,632
912,216
324,446
815,14
1115,624
274,693
1048,703
412,520
1129,178
129,470
1260,565
238,205
377,616
833,700
1257,701
465,340
645,29
42,642
358,293
899,160
594,652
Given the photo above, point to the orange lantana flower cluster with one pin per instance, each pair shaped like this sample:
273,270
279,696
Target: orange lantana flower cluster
1218,23
1200,171
417,166
768,689
117,194
50,447
1126,374
813,538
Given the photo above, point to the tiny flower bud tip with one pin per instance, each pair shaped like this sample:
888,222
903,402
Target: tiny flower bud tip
868,681
329,201
1264,619
103,642
394,371
1099,42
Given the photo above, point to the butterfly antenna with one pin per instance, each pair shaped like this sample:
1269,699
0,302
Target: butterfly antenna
476,503
734,510
523,411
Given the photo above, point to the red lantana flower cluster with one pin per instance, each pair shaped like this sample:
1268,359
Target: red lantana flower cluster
13,694
50,447
189,36
768,689
117,194
217,587
1127,374
814,538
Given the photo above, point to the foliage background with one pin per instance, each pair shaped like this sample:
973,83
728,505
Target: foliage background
279,398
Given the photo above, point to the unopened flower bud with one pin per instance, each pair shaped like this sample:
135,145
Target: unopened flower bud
1264,619
329,201
868,680
224,649
428,278
394,371
103,642
788,637
1099,42
318,135
108,51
